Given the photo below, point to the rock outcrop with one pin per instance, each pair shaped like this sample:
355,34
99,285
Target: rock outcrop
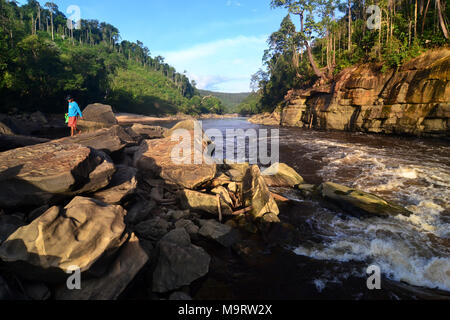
34,175
180,162
97,116
281,175
130,260
414,100
204,202
109,140
257,195
358,203
123,184
179,262
78,235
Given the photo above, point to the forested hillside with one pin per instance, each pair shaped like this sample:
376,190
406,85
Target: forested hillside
330,35
229,100
44,56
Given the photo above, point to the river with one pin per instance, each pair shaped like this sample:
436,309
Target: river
327,254
412,172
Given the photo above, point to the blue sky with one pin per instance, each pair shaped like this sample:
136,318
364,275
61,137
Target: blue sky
219,43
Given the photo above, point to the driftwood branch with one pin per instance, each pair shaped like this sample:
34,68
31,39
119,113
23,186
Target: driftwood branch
243,211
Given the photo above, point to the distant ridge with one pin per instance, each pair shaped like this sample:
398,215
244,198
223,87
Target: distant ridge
229,100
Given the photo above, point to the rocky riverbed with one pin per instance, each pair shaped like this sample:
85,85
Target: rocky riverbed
112,204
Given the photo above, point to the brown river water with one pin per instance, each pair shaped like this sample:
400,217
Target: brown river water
325,255
413,251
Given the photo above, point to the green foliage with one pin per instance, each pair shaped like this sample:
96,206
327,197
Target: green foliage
36,73
251,105
403,35
230,101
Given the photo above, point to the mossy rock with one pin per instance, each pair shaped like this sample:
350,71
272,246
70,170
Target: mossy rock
359,203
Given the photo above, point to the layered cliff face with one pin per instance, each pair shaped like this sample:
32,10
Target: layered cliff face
412,100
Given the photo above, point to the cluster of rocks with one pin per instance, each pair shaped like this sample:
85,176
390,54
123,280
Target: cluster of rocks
112,205
414,100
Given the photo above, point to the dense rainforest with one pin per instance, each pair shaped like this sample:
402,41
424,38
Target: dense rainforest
44,56
330,35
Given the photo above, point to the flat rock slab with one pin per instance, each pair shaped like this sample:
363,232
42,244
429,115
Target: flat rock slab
78,235
199,201
160,158
123,183
179,263
281,175
109,140
360,203
32,176
131,259
149,132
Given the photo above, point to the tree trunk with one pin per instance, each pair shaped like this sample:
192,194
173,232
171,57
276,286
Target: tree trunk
441,19
349,26
415,21
312,62
53,34
424,18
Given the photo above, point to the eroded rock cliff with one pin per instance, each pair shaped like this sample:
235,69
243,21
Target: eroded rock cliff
415,99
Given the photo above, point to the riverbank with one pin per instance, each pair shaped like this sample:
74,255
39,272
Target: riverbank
124,118
221,231
413,100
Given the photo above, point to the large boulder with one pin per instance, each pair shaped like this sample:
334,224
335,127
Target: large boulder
161,158
256,194
199,201
360,203
34,175
179,262
109,140
131,259
221,233
100,113
281,175
123,184
78,235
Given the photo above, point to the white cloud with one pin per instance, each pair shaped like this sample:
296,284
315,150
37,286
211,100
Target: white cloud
221,65
231,3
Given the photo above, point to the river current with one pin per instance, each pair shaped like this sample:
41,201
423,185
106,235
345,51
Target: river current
412,172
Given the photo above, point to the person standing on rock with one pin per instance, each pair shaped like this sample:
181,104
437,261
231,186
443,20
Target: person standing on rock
74,112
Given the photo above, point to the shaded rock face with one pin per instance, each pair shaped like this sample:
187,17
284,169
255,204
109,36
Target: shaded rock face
100,113
221,233
109,140
9,225
123,184
78,235
179,262
34,175
257,195
204,202
281,175
154,158
413,100
10,142
130,260
360,203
